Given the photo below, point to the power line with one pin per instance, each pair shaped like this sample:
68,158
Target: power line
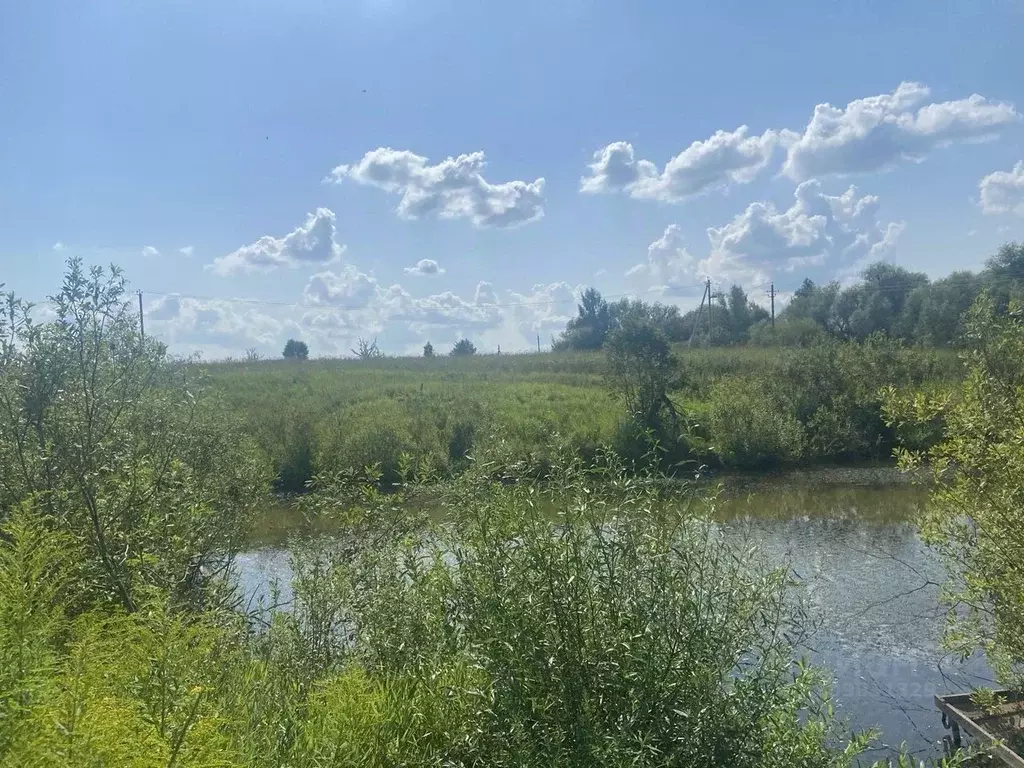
352,308
996,279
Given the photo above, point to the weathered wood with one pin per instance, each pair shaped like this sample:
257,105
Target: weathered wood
958,711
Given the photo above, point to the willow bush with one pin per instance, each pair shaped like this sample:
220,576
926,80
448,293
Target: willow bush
118,444
976,515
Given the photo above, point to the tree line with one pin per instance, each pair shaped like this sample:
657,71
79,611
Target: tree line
889,299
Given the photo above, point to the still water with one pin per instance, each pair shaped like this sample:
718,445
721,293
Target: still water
872,585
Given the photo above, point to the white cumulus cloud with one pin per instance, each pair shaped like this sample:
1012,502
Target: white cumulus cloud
349,288
715,163
874,133
818,229
545,309
1003,191
216,327
425,268
454,188
150,252
314,242
669,264
187,251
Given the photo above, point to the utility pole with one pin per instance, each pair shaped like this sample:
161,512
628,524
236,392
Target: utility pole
142,320
538,343
696,320
773,303
710,302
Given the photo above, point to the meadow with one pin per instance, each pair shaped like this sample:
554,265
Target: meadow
744,407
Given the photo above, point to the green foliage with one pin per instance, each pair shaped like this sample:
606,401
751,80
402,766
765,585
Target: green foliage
791,332
428,350
588,330
976,515
463,348
620,632
642,370
752,428
889,299
295,350
118,445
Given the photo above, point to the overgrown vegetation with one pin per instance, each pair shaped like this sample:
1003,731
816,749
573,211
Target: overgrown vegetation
976,515
111,442
623,632
727,408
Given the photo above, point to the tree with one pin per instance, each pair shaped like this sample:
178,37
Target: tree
117,446
591,325
367,350
642,370
463,348
296,350
975,518
428,350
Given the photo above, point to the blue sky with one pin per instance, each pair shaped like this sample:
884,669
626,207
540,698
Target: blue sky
417,170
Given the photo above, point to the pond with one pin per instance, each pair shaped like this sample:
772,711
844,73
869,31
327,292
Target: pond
871,582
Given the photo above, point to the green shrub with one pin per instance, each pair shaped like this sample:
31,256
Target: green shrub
121,446
750,428
461,441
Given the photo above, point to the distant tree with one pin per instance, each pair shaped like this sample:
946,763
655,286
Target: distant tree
296,350
812,302
463,348
251,355
797,332
1004,275
742,314
935,313
367,350
641,368
590,327
428,350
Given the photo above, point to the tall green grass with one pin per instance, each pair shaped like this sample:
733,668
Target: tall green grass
750,407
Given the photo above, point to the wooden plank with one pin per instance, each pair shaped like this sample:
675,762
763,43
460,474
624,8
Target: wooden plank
959,709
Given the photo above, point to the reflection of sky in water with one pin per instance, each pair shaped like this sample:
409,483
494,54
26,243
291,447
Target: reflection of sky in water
866,577
874,587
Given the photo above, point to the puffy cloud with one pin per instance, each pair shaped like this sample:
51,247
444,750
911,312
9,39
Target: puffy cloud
314,242
449,311
1003,191
348,288
363,302
817,229
452,189
715,163
59,246
187,251
874,133
545,309
150,252
669,263
836,232
425,268
219,327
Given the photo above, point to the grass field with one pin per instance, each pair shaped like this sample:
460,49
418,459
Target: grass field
749,407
